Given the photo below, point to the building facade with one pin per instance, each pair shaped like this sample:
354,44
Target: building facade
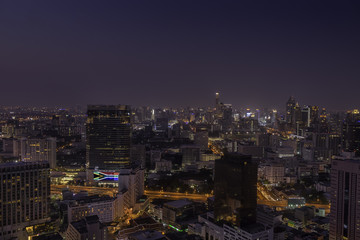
345,197
86,229
106,208
131,187
108,137
36,149
235,189
24,195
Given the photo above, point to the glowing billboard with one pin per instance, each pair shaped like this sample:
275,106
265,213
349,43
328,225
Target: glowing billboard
106,176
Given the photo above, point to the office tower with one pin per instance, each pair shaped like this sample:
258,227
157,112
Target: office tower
190,154
217,100
345,196
323,122
227,117
290,110
235,189
8,130
274,118
218,114
25,197
314,114
274,173
138,155
9,146
108,137
36,149
162,127
162,124
87,228
297,116
306,116
131,186
351,132
201,137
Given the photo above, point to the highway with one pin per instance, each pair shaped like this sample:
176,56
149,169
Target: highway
176,196
57,189
263,196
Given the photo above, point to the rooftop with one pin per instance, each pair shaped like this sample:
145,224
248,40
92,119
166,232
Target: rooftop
82,225
91,199
179,203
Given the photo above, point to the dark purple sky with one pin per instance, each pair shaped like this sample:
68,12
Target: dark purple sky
255,53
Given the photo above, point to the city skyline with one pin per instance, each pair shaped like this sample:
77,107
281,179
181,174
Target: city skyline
254,54
210,105
176,120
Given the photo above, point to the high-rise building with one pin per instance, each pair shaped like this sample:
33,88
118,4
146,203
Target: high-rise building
25,196
345,196
190,154
217,99
290,110
324,121
108,137
235,189
138,155
274,172
306,116
314,114
162,127
227,118
201,137
351,132
131,186
36,149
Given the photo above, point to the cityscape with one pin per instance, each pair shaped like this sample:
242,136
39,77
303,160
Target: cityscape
122,172
169,120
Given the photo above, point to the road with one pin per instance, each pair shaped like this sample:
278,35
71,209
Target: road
176,196
57,189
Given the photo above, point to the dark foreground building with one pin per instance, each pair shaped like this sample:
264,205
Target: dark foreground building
25,196
235,189
345,197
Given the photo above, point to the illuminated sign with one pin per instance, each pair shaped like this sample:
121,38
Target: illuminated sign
106,176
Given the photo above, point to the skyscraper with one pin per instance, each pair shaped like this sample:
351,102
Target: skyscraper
235,189
306,116
36,149
201,137
351,132
25,197
190,154
290,110
227,118
217,99
108,137
345,197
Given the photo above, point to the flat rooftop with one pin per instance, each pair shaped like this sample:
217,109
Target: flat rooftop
178,203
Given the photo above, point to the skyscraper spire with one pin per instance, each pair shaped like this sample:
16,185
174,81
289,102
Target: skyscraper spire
217,99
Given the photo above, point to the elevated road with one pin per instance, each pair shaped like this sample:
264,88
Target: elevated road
57,189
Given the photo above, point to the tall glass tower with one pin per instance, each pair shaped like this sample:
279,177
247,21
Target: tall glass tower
108,137
345,196
235,189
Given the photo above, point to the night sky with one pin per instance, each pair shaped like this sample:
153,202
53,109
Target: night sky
179,53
